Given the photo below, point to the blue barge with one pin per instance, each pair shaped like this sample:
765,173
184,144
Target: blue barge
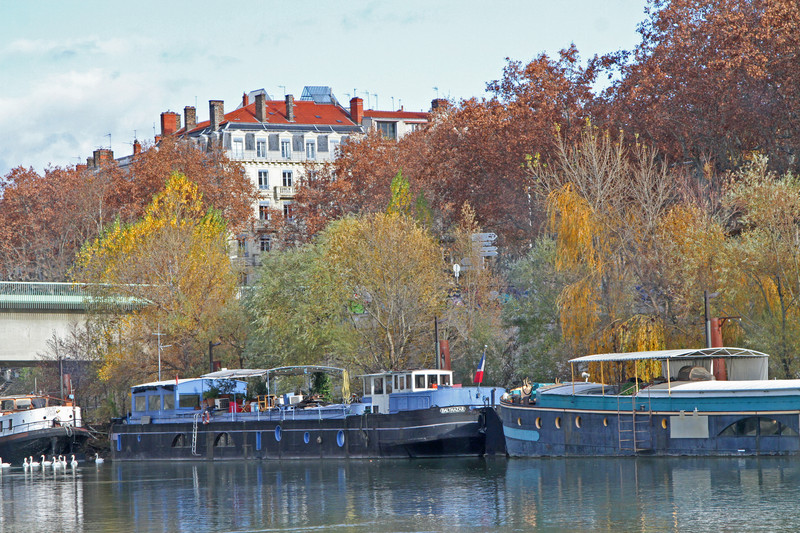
687,413
416,413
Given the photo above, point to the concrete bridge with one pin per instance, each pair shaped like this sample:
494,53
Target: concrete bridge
31,313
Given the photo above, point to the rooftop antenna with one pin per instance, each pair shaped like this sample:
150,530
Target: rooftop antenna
109,140
195,101
400,103
154,129
283,87
347,95
392,103
367,98
355,93
437,92
376,100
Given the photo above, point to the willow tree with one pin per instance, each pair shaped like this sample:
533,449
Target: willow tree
395,284
605,201
763,276
172,268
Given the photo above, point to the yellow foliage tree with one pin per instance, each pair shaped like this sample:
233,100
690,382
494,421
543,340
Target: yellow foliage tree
391,270
173,267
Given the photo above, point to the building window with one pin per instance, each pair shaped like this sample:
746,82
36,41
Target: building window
413,126
287,178
238,148
388,129
263,179
264,210
241,246
261,148
288,211
265,243
334,145
311,150
286,149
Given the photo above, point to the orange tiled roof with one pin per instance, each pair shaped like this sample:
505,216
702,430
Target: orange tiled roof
305,112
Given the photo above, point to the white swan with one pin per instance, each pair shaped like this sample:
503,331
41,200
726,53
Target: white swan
73,463
4,465
34,464
25,464
45,462
98,460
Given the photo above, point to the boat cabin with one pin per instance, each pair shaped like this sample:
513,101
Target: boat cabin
21,403
378,387
173,397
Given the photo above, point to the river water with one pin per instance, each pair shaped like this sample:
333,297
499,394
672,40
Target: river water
495,494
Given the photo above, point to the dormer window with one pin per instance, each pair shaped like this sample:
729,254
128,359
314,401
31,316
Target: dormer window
286,149
311,150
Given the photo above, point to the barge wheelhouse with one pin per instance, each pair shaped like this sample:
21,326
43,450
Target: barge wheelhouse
689,412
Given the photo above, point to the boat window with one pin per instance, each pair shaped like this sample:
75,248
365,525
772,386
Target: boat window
139,402
223,440
39,402
445,379
408,381
389,386
400,382
169,401
23,403
7,405
757,425
189,401
377,384
419,381
153,402
432,380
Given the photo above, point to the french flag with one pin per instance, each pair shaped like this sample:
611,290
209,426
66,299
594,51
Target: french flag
479,372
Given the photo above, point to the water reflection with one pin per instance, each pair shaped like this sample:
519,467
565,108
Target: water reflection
604,494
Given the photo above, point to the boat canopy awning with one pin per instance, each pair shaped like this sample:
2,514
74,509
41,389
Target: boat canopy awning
236,373
661,355
302,370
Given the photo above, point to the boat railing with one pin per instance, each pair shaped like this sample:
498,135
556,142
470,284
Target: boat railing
33,426
278,413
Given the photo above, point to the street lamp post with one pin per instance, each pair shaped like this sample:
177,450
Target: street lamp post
211,355
160,346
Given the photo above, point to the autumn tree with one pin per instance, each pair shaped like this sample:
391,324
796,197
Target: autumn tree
45,218
393,270
762,278
172,268
713,80
472,320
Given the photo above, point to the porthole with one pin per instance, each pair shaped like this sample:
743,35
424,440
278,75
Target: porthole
519,421
340,438
558,422
664,423
306,437
538,422
605,422
578,422
278,433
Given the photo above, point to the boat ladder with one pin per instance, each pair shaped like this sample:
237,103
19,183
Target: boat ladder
633,428
194,433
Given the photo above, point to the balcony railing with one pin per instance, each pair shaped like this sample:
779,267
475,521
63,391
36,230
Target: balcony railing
282,192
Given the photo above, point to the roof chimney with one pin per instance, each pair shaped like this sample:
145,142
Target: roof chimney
439,103
356,109
137,147
190,117
261,107
290,108
103,155
170,123
245,100
216,113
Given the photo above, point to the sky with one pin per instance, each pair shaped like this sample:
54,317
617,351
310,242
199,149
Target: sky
78,75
